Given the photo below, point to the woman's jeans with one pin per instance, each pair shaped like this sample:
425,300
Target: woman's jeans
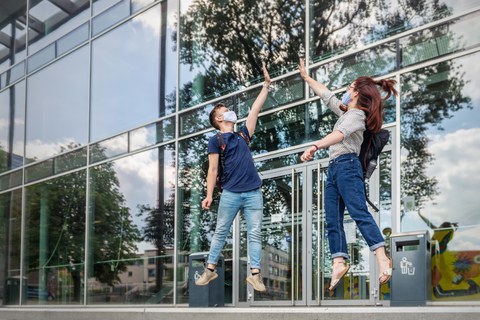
251,202
346,187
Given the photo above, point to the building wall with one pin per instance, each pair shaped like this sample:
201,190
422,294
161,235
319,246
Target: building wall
104,125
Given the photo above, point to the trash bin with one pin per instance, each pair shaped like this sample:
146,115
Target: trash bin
12,290
411,277
211,295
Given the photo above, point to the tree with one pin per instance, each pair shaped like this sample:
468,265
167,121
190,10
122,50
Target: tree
55,230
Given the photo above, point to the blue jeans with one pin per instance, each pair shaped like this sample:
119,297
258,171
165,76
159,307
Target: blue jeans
345,187
251,202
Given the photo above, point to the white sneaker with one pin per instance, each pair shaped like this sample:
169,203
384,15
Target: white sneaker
206,277
257,282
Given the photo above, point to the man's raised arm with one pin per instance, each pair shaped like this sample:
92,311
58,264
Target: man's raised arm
257,105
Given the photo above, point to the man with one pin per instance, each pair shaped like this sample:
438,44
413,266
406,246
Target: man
241,185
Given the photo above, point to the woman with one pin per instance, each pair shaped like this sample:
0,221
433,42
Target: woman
359,109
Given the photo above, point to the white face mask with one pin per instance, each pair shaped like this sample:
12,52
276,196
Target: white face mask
230,116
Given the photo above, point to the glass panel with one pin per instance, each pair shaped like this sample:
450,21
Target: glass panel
73,39
278,162
137,5
195,227
132,233
220,54
440,118
55,240
41,57
455,262
339,26
432,43
390,109
339,73
59,91
52,19
282,92
10,237
291,127
279,239
386,202
70,161
318,217
12,33
155,133
12,117
111,16
15,73
125,80
109,148
39,171
11,180
100,5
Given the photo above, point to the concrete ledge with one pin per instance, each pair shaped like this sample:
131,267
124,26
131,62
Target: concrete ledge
256,313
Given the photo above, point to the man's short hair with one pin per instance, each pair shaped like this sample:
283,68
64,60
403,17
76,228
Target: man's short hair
212,116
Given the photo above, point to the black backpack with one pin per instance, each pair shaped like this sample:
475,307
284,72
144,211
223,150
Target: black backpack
371,148
221,158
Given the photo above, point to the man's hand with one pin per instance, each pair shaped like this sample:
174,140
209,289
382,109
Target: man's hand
301,68
265,73
206,203
308,154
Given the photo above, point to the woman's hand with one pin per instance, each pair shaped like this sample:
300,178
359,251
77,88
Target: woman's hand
308,154
301,68
265,73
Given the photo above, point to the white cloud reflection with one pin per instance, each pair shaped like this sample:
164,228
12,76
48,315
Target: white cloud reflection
456,168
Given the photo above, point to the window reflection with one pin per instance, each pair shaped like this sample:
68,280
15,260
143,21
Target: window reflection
133,230
12,33
46,17
195,227
12,117
342,72
59,91
339,26
450,37
55,240
290,127
220,54
10,234
439,141
125,77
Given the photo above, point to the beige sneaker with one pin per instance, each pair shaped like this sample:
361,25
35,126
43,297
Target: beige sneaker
206,277
257,282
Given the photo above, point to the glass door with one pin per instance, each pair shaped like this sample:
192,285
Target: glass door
356,285
283,242
296,262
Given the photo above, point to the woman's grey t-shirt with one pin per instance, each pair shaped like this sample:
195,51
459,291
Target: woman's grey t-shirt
350,123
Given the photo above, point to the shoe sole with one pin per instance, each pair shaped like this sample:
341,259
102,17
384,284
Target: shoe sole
387,273
254,287
211,279
332,287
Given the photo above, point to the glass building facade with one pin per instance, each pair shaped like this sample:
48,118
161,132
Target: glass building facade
103,144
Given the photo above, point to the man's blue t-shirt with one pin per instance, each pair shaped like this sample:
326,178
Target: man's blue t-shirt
239,172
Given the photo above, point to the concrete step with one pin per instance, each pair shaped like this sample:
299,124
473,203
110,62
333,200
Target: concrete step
252,313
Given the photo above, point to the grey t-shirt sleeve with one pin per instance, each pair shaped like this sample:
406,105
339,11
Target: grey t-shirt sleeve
352,122
332,102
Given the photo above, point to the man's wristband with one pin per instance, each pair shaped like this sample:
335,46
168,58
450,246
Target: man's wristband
266,84
315,146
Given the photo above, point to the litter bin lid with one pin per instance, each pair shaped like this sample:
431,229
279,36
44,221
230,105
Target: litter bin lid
411,233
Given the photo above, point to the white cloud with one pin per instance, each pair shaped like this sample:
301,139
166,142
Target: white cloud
456,168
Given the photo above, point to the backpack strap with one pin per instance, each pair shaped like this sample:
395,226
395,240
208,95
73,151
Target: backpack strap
244,136
221,159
